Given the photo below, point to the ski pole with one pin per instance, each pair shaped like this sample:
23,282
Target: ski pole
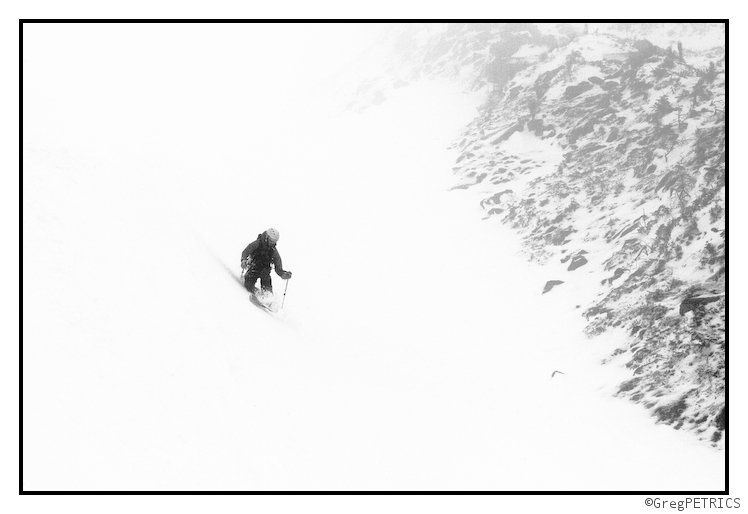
284,294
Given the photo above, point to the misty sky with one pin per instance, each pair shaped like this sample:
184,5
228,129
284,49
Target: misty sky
123,82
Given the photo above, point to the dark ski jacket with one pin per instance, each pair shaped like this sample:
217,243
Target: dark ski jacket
262,255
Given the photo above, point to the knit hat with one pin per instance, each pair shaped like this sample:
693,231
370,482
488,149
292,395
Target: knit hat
273,234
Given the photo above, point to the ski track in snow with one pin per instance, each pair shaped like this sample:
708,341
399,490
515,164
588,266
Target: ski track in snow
414,350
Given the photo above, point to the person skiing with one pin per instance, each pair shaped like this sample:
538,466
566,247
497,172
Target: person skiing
257,258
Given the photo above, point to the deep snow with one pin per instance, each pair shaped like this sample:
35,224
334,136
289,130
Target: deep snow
414,351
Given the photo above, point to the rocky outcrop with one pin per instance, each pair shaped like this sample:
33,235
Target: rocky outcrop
641,177
626,157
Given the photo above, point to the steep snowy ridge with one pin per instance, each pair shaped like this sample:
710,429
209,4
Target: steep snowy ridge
608,154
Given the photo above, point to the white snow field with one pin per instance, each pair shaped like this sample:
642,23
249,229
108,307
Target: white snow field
414,351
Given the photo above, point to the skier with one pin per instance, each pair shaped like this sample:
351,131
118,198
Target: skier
257,258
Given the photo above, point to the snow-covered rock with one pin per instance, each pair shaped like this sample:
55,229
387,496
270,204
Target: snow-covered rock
604,145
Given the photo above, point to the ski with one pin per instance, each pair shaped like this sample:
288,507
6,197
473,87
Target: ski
268,306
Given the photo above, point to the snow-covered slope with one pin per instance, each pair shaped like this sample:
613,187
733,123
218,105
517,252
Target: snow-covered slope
607,153
415,350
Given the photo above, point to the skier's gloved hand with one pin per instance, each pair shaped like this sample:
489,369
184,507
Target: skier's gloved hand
286,275
245,263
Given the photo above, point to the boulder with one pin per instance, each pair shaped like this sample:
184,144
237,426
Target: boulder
610,85
574,91
551,284
581,130
379,98
616,276
693,303
495,199
721,419
536,126
517,127
543,83
577,262
559,235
